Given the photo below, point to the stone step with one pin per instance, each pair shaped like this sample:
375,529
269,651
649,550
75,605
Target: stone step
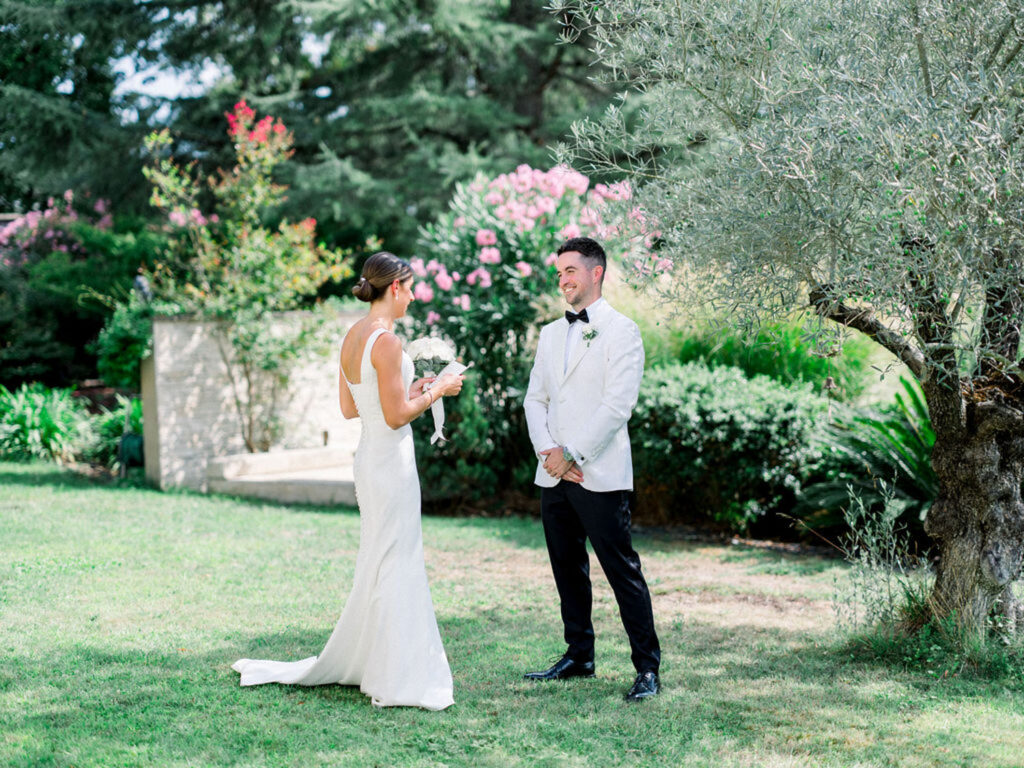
275,462
313,476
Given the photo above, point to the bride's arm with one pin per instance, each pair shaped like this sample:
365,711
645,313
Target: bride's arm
398,408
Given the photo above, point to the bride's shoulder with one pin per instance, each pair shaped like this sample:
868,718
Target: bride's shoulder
386,343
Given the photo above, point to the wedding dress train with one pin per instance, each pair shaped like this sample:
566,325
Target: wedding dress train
386,640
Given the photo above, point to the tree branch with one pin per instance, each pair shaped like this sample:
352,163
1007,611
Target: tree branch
1004,302
864,320
922,53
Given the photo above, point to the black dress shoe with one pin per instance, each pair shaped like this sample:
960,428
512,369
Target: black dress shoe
645,686
563,669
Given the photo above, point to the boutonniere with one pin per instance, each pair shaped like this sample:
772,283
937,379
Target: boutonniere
589,335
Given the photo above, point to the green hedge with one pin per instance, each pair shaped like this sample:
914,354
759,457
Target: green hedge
713,443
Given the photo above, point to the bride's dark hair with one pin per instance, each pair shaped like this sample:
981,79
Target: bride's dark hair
380,271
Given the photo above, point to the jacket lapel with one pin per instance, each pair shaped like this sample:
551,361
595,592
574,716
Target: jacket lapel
558,358
582,347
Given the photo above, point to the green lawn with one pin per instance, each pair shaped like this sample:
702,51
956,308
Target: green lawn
121,611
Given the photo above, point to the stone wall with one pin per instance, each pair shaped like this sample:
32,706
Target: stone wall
189,410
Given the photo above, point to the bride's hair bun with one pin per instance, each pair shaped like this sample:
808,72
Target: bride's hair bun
364,290
380,271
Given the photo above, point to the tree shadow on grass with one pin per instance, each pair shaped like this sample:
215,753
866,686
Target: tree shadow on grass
36,476
741,688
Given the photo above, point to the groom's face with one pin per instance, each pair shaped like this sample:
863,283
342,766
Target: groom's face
579,283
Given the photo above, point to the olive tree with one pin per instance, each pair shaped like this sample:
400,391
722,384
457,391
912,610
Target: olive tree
863,159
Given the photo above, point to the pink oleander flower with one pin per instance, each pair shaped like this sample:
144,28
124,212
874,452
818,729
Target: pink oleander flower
459,222
486,237
490,256
418,267
106,222
444,280
214,218
197,217
101,206
569,231
434,266
178,218
69,196
663,265
479,274
620,190
432,317
462,301
456,276
551,259
524,269
546,204
494,198
590,217
423,292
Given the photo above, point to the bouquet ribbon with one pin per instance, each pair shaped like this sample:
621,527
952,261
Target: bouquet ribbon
437,409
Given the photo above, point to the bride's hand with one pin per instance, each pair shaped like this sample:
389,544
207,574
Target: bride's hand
449,384
417,387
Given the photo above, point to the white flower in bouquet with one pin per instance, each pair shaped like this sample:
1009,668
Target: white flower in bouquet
430,354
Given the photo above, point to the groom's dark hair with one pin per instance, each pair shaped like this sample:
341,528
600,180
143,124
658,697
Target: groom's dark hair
591,251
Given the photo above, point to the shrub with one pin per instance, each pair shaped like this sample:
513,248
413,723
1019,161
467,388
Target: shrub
41,423
108,428
883,458
782,351
55,267
713,443
126,338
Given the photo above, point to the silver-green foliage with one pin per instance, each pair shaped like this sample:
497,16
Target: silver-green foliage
863,152
886,582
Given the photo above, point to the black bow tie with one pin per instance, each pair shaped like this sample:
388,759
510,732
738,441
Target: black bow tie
572,317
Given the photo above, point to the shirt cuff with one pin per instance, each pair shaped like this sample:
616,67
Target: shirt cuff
570,451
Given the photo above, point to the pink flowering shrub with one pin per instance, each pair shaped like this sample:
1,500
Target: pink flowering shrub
37,234
485,280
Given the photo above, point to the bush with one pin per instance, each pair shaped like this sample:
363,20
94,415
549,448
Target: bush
109,428
124,341
781,351
57,269
41,423
713,443
883,458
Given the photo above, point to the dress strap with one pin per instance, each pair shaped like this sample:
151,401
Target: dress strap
366,351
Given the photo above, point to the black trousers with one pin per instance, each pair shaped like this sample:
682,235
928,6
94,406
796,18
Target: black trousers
571,515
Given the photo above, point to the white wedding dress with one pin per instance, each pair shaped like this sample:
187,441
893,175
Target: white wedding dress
386,640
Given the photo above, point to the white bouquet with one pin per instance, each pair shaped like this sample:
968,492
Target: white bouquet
434,353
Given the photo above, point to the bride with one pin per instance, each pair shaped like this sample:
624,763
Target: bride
386,640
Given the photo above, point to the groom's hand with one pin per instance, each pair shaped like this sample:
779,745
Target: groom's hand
556,466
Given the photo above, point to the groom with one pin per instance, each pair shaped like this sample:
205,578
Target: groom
583,387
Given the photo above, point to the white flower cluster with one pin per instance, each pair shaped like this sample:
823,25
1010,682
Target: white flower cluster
430,347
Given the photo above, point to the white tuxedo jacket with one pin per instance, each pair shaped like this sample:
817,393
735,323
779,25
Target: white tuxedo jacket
587,403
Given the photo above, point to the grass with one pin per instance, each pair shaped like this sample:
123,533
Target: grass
121,610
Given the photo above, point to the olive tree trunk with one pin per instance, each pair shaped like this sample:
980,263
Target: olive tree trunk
977,520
